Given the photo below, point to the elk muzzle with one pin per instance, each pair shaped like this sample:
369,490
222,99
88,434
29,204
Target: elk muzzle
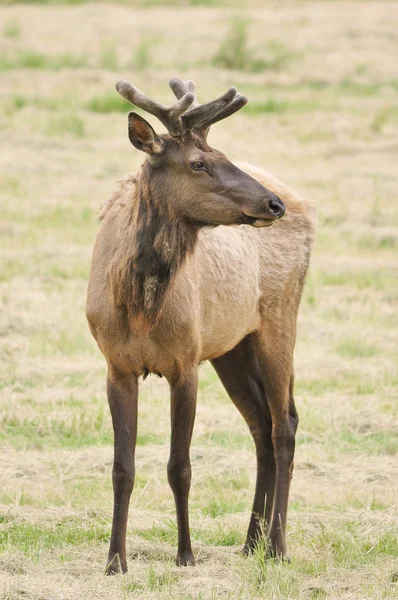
273,209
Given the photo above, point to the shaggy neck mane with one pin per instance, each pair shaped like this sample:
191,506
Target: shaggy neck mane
152,247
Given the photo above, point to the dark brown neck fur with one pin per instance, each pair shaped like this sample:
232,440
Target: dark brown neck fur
152,247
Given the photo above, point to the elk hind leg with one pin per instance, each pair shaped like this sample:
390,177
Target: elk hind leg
240,374
275,355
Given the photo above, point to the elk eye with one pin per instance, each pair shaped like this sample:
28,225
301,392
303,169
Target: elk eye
197,165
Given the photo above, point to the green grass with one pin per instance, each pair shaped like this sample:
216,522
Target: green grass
12,28
65,125
64,343
57,223
33,540
229,439
109,57
160,578
352,348
10,184
141,59
384,117
18,102
219,508
270,105
12,268
371,443
350,547
71,219
30,59
232,480
109,102
51,271
361,280
280,106
234,53
73,429
369,242
322,385
215,536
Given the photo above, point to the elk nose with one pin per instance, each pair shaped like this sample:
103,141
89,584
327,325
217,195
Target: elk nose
276,207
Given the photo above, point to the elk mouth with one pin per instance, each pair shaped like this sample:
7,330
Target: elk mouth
258,222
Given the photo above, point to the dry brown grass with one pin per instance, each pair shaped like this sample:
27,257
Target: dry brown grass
323,116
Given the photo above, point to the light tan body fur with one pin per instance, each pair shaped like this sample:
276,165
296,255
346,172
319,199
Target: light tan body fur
236,277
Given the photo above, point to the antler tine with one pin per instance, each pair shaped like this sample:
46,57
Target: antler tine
180,88
237,103
196,117
203,115
170,116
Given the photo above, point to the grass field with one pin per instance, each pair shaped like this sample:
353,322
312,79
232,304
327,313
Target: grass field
322,80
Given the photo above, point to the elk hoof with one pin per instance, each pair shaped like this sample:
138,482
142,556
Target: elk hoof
280,558
185,559
252,543
247,549
271,553
115,566
275,553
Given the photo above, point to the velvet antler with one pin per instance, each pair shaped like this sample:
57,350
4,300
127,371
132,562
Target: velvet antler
201,116
186,114
170,116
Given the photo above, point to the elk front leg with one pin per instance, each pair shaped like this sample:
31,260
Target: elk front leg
122,398
183,408
275,355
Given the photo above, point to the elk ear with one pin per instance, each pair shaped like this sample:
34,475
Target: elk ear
143,136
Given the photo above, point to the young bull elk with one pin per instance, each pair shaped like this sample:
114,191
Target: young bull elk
171,285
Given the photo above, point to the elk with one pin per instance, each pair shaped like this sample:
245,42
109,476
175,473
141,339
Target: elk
186,269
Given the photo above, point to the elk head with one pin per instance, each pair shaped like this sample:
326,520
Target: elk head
200,183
